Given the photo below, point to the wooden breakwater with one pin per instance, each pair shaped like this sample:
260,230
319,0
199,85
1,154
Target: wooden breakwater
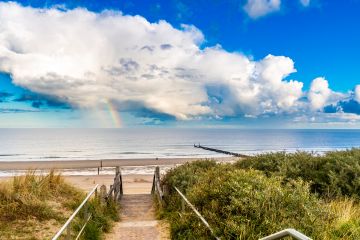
220,151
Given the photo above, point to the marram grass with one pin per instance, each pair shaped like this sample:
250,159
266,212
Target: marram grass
36,206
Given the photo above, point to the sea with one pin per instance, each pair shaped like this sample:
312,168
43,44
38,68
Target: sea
130,143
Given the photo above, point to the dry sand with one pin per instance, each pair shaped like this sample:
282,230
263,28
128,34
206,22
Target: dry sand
133,184
77,164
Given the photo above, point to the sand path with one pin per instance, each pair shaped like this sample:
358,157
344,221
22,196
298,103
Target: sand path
137,214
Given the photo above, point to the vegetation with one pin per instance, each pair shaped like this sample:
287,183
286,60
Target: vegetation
334,174
317,195
36,206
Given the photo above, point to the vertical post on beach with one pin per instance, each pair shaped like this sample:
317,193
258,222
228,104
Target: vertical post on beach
157,170
102,194
111,193
98,171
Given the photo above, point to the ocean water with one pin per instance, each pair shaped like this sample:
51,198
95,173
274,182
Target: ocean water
83,144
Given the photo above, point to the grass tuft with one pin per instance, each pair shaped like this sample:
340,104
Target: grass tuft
36,206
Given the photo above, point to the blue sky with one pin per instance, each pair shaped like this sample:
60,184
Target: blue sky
320,39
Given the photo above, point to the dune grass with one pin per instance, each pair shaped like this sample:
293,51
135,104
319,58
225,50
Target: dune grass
36,206
252,198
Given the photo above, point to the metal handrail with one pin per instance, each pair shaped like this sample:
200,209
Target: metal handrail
71,218
197,214
287,232
156,188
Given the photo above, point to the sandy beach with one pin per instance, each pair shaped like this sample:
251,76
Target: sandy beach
78,164
133,183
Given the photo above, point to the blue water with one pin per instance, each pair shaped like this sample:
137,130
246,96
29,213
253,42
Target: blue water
73,144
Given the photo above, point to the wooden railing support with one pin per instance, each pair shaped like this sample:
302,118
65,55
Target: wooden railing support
156,187
116,190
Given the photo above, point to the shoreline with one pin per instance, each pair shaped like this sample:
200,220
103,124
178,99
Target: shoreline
81,164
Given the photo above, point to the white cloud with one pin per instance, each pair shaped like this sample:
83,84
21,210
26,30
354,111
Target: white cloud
305,3
259,8
319,93
90,59
357,93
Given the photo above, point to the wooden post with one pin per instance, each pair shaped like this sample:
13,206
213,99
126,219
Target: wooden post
111,193
121,186
157,172
102,194
153,186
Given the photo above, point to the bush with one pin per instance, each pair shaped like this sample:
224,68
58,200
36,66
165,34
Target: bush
243,204
183,177
334,174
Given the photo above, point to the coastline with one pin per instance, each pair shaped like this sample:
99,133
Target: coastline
85,177
81,164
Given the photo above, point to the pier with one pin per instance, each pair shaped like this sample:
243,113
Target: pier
221,151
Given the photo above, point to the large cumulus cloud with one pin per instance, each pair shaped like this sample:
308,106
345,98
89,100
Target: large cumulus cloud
89,59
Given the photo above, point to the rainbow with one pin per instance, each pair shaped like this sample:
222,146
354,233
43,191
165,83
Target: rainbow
114,114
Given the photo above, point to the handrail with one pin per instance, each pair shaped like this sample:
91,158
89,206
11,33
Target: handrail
287,232
156,188
197,213
67,224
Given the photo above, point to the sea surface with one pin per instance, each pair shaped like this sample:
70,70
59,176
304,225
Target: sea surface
85,144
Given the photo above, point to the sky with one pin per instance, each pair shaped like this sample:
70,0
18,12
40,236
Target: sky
180,63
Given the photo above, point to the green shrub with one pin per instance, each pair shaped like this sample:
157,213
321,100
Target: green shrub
183,177
186,175
334,174
242,204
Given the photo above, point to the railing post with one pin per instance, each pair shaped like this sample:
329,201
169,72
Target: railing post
157,172
121,186
153,185
111,193
102,194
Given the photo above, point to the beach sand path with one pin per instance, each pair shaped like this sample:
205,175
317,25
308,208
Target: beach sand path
137,214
